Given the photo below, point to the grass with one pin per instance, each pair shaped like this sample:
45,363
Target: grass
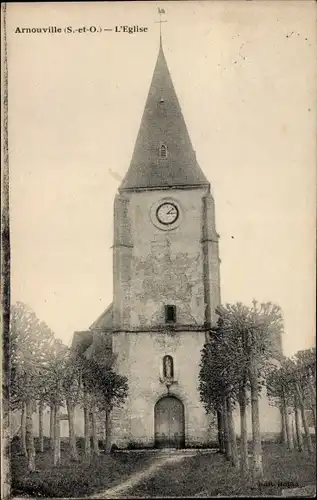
208,473
211,475
73,479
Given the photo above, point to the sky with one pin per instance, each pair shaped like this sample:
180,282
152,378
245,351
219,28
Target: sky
245,75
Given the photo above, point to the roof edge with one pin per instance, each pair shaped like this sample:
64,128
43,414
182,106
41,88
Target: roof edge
164,188
100,317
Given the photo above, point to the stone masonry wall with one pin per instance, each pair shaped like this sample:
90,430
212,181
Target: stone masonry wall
165,267
144,368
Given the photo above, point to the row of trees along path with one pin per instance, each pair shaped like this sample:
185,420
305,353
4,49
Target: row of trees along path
242,355
46,373
292,387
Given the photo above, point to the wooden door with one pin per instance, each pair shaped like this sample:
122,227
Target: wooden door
169,423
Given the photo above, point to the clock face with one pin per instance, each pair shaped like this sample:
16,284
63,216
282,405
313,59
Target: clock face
167,213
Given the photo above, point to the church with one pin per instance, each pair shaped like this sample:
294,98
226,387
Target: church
166,282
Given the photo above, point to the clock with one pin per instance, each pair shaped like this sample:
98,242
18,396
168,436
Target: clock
167,213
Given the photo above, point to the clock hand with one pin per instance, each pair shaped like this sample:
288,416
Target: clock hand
172,210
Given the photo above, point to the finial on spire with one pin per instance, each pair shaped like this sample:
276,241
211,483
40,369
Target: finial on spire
160,11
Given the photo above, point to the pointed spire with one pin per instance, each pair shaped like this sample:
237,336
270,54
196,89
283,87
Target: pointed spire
163,156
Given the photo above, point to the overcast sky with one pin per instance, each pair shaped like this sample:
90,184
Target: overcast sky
245,74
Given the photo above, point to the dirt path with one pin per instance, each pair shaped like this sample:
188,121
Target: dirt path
136,478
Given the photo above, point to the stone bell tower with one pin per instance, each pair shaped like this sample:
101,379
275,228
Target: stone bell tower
166,278
166,284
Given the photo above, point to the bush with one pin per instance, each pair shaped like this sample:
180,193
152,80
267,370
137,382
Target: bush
203,446
135,445
16,445
80,442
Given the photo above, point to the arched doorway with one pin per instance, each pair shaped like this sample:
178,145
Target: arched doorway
169,423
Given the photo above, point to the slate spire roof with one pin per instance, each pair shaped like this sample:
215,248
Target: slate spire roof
163,125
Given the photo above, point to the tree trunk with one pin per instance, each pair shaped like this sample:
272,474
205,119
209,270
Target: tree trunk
23,430
72,435
243,430
312,392
299,436
257,465
232,436
86,431
313,409
29,436
294,432
290,444
57,437
311,386
52,425
304,420
283,424
227,442
41,434
94,432
220,431
108,432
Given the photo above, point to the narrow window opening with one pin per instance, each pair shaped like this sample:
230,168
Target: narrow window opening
170,314
163,151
